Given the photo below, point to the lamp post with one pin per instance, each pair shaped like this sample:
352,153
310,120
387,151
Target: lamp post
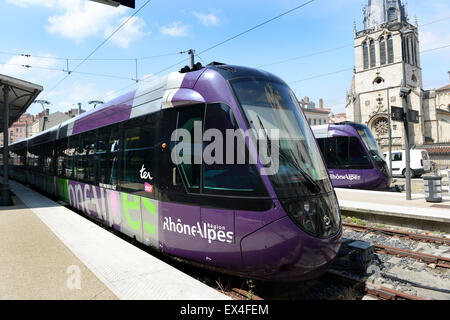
42,102
95,102
390,130
404,93
191,53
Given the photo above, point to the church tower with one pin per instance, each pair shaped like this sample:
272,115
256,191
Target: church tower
387,40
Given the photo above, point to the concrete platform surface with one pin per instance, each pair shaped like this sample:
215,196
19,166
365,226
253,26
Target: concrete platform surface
51,252
35,264
394,204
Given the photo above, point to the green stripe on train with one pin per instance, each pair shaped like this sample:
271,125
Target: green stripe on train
63,189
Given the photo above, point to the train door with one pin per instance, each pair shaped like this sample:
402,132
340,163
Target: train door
179,218
221,178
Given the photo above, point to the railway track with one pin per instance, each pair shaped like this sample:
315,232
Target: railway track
374,290
403,234
439,261
397,273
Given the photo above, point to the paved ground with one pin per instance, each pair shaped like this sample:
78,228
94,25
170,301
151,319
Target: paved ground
50,252
35,264
417,184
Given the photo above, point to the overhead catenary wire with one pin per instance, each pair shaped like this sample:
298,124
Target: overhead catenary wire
238,35
90,59
147,80
210,48
257,26
352,68
100,45
28,55
229,39
198,55
340,47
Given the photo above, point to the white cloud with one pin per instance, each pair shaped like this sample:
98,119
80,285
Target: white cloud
40,70
207,19
81,19
176,29
26,3
130,32
79,92
433,39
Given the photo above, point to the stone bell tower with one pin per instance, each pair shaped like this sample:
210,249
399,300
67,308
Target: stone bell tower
387,40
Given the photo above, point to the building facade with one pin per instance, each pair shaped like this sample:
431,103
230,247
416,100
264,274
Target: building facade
315,116
386,51
20,129
337,118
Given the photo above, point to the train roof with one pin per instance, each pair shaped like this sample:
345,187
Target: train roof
329,130
149,97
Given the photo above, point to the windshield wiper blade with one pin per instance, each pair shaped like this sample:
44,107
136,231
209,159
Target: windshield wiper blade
281,152
269,142
307,177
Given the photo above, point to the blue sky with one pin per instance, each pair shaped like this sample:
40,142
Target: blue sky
50,29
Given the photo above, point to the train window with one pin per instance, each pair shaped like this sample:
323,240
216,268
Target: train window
341,152
168,177
85,157
71,166
79,165
140,142
220,178
107,154
13,158
33,158
187,119
17,156
47,157
344,153
61,157
357,155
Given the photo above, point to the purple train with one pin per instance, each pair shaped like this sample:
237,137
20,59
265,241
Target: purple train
352,156
116,164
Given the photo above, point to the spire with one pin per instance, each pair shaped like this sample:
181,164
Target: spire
378,12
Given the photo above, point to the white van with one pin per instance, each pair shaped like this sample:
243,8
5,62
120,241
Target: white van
420,162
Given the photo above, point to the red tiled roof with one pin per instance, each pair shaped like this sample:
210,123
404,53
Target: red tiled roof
447,87
438,150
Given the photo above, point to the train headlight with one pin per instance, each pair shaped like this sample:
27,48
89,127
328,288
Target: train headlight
317,216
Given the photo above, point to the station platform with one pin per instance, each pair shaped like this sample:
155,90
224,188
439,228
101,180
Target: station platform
50,252
393,206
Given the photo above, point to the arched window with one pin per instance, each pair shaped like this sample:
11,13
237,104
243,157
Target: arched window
409,45
392,14
382,51
415,52
365,55
405,50
390,49
373,60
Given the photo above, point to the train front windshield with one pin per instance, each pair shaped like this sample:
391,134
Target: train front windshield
370,142
271,106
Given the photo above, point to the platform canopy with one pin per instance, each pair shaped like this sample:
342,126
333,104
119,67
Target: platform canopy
116,3
20,95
